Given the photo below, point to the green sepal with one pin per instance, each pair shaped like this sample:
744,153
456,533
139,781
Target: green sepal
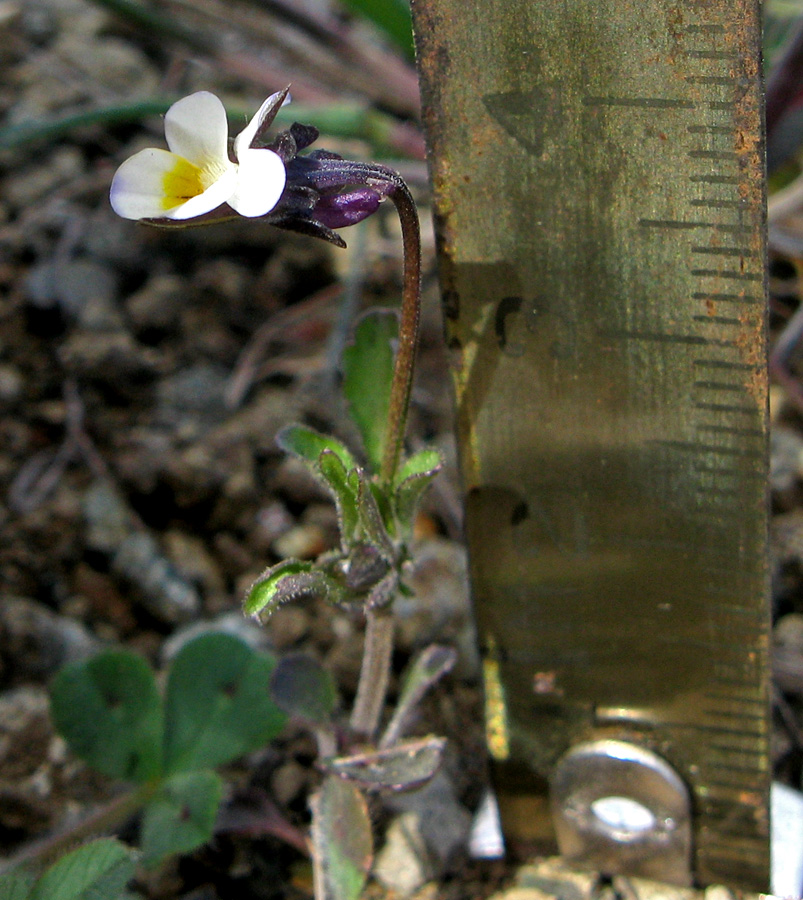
181,817
412,479
109,711
216,705
367,379
98,870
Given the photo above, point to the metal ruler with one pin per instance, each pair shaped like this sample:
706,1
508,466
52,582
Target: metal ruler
598,178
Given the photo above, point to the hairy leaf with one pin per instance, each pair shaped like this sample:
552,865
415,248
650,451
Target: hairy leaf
301,687
308,444
342,839
342,487
288,580
428,668
99,870
412,479
109,711
217,705
402,766
181,817
367,377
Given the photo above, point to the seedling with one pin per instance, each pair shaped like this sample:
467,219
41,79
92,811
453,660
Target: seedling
223,699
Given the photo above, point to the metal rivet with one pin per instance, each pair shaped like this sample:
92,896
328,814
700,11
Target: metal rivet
622,809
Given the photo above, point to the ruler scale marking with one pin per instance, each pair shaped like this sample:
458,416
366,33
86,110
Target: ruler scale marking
640,401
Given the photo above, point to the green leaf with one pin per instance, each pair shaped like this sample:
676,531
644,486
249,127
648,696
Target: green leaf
286,581
99,870
402,766
391,16
181,817
16,885
367,377
342,487
217,705
109,711
301,687
412,479
428,668
342,839
308,444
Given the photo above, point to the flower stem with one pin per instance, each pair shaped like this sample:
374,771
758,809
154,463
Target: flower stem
374,673
402,383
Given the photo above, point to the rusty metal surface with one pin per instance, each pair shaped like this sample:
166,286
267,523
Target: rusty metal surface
599,196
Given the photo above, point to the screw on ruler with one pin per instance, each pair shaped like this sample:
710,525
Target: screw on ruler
599,193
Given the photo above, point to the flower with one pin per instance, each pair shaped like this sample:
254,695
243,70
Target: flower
196,175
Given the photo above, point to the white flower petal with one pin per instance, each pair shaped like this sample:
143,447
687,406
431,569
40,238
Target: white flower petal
196,128
260,182
218,192
138,188
246,137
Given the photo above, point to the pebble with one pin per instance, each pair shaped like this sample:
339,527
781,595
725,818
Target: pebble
439,609
233,623
25,740
287,626
32,183
157,305
788,632
402,865
445,824
288,781
786,463
36,642
193,399
306,541
162,590
83,289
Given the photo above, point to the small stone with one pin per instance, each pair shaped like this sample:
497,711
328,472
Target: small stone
287,626
786,452
288,781
157,306
233,623
445,824
788,632
439,608
190,556
25,739
301,542
161,588
11,384
36,642
402,865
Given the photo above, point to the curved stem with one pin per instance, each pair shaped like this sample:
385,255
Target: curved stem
402,384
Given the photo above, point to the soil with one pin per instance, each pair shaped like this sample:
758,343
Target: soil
144,375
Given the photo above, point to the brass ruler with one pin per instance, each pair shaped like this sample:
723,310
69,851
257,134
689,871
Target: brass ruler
598,176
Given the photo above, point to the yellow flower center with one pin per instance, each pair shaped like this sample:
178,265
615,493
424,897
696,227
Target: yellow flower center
183,182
